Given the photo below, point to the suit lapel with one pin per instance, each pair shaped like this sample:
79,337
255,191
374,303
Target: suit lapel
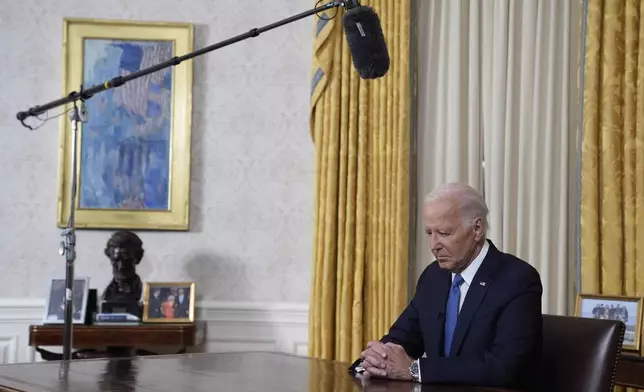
475,295
439,294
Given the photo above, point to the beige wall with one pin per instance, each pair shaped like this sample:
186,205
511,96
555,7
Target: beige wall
252,185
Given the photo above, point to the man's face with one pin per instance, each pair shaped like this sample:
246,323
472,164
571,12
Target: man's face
452,243
122,260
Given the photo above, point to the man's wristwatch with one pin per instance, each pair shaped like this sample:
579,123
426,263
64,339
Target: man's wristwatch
414,370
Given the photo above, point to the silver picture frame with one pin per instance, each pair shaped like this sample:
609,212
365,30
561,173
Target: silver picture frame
54,308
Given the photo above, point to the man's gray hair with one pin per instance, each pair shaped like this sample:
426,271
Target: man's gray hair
472,204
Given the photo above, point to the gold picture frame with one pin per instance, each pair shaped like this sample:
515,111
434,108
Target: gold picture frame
134,150
162,302
627,310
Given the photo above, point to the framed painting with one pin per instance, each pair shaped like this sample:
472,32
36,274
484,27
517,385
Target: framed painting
621,308
134,146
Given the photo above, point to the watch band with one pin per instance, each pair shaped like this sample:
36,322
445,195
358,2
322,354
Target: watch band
414,370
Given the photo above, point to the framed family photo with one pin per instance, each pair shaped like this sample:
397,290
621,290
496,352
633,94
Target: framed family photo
622,308
55,307
169,302
134,147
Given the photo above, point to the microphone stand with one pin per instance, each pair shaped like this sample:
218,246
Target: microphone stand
68,246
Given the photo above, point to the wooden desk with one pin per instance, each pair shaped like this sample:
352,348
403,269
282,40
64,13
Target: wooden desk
239,372
119,340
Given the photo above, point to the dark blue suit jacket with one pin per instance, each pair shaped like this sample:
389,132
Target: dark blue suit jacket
498,336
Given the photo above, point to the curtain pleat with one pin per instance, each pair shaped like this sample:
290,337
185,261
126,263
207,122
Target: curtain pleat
361,131
612,205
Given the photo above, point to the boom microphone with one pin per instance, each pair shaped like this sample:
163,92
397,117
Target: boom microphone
366,42
361,25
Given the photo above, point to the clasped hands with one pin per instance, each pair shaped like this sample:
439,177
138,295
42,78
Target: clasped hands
386,360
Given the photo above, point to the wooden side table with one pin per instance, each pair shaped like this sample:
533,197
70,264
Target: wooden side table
120,341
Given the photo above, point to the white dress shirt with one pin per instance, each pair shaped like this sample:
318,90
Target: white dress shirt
468,276
469,273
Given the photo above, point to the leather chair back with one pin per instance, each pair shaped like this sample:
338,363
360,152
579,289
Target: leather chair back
580,354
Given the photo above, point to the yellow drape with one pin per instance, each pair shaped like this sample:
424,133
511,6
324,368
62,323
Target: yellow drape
612,242
361,131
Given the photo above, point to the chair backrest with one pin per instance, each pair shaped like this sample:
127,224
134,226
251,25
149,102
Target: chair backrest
580,354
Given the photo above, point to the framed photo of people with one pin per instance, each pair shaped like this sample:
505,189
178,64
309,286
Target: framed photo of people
626,309
55,307
169,302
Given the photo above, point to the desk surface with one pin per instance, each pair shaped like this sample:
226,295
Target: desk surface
239,372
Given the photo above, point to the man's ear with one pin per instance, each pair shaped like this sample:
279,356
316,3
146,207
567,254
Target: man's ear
479,228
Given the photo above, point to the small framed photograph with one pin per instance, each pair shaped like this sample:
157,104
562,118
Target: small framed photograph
55,308
626,309
169,302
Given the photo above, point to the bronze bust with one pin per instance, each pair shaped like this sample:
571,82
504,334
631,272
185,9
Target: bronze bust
125,251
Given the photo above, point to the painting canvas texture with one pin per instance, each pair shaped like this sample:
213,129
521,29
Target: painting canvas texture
126,140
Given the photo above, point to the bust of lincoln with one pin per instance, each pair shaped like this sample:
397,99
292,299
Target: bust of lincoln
124,250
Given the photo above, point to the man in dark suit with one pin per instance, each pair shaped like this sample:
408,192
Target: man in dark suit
476,313
154,307
183,308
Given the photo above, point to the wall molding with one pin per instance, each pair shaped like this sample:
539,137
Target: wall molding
18,310
9,348
29,309
254,312
232,326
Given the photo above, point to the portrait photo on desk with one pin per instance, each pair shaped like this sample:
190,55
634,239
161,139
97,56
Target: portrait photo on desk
55,307
169,302
620,308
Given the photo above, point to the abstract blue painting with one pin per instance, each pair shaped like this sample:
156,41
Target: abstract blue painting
126,141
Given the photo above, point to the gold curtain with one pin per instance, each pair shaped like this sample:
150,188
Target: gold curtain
361,131
612,205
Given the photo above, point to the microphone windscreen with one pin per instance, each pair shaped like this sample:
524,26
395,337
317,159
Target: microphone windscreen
366,42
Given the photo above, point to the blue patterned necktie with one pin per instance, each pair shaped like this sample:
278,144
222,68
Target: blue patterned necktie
451,311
